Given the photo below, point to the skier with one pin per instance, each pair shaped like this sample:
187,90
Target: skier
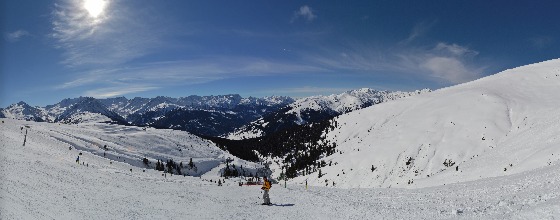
266,187
78,160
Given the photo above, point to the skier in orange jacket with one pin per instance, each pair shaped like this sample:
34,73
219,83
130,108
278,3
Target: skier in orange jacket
266,187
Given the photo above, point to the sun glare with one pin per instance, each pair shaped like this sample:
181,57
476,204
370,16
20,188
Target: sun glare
95,7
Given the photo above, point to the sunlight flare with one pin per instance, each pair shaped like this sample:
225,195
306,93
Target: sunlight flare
95,7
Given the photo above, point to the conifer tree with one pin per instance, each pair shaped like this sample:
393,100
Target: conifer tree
146,161
191,164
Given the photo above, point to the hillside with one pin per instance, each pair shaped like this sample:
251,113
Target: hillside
41,180
130,145
499,125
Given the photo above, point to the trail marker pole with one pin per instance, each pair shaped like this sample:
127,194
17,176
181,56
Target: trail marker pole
25,138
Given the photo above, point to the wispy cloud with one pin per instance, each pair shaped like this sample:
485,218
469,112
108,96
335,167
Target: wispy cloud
124,80
541,42
306,90
309,89
443,62
119,90
455,49
304,12
448,68
450,63
418,30
16,35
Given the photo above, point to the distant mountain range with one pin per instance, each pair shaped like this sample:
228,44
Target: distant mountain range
229,116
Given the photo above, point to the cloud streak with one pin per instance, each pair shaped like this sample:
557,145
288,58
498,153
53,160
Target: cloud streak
16,35
152,76
305,12
119,90
443,63
541,42
447,68
455,49
311,90
418,30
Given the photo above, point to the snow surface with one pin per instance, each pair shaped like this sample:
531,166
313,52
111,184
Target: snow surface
504,124
42,181
129,144
251,130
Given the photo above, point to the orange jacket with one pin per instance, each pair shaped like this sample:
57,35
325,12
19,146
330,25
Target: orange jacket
266,185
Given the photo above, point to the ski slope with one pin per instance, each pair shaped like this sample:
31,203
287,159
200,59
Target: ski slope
503,124
41,180
130,144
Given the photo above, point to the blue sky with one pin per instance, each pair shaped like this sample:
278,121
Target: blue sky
53,50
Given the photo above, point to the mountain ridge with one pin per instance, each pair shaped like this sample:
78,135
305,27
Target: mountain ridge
215,115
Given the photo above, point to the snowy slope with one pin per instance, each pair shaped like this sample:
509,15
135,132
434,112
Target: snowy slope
41,181
499,125
130,144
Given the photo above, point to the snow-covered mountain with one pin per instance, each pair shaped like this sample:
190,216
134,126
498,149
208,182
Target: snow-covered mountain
208,115
347,101
499,125
23,111
126,107
84,108
199,114
317,108
231,116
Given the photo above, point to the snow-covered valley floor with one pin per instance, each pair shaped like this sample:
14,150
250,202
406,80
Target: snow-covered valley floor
41,180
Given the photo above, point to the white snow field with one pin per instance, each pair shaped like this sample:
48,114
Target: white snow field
41,180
